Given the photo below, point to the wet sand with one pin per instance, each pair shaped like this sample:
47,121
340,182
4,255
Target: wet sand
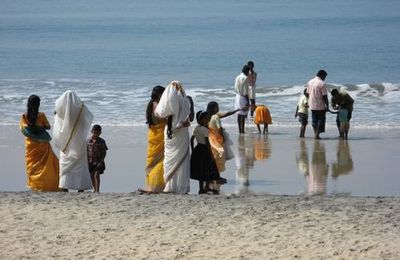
356,218
280,163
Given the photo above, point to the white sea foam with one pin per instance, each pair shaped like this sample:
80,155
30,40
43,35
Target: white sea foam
123,103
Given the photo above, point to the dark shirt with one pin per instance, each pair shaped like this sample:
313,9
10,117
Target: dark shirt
96,150
343,100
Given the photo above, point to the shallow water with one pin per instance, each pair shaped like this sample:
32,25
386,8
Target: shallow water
280,163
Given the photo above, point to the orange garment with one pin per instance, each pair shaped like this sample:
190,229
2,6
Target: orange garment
217,148
42,166
262,115
155,158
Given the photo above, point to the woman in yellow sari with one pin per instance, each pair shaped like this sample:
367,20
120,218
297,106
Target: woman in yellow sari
41,163
155,150
217,137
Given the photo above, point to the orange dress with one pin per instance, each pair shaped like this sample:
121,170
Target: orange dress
262,115
42,166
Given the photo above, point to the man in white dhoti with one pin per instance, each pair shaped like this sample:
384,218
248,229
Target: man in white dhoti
242,97
71,127
175,106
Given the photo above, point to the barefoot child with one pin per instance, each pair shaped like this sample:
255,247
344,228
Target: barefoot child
202,164
302,112
343,118
96,150
262,116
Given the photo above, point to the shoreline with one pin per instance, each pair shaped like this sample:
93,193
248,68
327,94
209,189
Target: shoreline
279,163
252,226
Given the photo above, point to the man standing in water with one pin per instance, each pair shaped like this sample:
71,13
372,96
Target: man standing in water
242,96
318,102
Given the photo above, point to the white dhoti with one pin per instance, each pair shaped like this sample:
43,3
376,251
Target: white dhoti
252,92
240,103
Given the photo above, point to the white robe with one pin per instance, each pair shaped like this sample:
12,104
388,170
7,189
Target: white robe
71,127
174,103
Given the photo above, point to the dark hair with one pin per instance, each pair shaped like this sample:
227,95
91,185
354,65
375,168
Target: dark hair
322,74
246,70
96,128
250,64
201,116
32,109
211,106
334,92
191,115
156,94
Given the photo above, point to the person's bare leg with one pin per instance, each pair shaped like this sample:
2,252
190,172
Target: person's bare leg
259,128
97,182
265,130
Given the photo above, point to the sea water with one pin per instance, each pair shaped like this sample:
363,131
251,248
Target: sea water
113,52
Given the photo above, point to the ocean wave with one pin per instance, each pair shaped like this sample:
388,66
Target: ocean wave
120,102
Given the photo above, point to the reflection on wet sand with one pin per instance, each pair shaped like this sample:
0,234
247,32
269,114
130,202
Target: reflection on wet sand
249,149
319,170
344,162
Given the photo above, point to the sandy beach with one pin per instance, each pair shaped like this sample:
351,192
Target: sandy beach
132,226
355,214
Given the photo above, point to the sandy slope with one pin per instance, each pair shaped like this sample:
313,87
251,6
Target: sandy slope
132,226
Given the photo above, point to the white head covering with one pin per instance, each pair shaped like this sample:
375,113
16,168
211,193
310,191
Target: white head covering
174,102
72,124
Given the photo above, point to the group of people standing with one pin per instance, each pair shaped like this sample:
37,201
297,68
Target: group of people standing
315,98
170,164
81,161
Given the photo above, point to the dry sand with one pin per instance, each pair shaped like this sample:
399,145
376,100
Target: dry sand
132,226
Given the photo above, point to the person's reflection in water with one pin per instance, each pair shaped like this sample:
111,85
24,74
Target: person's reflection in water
249,149
242,166
318,175
302,159
262,148
344,162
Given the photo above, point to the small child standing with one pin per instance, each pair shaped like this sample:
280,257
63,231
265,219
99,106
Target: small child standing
302,112
202,164
344,123
262,116
96,150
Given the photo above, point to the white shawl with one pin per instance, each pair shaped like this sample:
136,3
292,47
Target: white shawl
71,127
174,103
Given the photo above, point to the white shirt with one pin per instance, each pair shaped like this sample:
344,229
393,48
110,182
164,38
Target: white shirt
242,85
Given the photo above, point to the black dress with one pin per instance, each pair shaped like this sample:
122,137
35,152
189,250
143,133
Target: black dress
202,165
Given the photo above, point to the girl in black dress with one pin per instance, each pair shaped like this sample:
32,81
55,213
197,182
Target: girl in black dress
202,164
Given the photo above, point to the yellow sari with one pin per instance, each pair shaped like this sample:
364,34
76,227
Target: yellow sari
155,158
42,165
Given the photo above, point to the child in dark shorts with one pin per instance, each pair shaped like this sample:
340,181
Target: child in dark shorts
96,150
302,112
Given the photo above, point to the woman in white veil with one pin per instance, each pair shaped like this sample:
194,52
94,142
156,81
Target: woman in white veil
175,106
71,127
